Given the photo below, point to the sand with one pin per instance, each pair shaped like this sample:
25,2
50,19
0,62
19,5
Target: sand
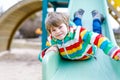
20,64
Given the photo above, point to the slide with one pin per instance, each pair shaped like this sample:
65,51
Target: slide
102,68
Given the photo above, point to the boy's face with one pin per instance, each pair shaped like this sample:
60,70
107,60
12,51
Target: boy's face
59,32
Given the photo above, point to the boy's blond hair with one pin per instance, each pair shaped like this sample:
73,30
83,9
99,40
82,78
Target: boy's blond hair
55,19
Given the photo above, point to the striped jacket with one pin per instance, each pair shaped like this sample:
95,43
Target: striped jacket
78,44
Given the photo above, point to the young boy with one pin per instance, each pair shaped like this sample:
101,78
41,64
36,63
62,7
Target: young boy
77,43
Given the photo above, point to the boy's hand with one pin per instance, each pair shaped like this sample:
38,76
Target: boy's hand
52,48
47,50
117,57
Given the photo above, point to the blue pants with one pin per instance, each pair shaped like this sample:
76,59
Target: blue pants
96,24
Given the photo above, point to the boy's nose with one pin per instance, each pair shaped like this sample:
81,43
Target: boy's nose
57,30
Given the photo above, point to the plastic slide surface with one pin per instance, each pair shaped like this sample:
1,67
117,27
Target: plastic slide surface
104,68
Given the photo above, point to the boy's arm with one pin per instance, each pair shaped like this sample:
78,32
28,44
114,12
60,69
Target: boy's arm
101,42
49,48
42,54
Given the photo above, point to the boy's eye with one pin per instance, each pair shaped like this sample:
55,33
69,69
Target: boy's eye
53,30
60,27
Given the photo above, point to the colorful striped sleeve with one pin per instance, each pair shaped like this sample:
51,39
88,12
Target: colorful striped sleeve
108,47
42,54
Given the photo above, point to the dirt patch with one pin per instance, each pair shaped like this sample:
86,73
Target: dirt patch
20,64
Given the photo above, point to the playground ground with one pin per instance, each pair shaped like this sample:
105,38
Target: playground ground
21,63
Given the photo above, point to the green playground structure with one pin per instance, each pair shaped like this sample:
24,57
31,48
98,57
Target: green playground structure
11,20
102,68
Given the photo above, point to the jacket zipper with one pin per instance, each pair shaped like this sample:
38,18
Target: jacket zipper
65,50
